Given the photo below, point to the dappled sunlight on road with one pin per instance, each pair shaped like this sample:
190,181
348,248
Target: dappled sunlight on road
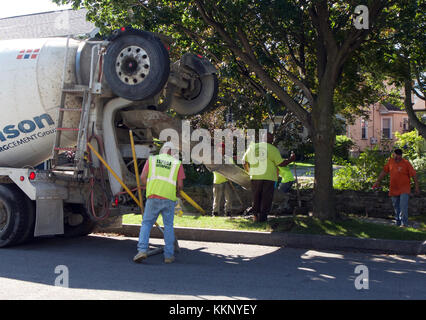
315,254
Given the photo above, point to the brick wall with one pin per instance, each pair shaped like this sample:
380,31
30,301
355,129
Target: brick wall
374,204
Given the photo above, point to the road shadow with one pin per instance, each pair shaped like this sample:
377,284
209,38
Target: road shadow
210,271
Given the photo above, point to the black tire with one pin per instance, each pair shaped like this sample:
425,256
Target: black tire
84,228
136,66
16,216
199,100
28,235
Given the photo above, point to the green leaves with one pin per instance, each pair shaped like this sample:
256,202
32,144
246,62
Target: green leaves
363,173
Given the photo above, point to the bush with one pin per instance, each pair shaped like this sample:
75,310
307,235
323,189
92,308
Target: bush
197,174
340,161
419,164
411,144
362,175
305,151
342,146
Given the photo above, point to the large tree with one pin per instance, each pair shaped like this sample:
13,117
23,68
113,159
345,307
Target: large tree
286,49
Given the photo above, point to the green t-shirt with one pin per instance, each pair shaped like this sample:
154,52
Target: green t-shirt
285,174
264,159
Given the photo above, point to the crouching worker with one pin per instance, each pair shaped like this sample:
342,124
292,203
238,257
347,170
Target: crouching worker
287,179
221,189
163,177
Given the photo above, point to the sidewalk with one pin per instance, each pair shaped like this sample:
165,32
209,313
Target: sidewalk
290,240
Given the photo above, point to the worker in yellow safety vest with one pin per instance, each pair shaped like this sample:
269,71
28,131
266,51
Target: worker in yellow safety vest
287,179
221,189
163,177
261,161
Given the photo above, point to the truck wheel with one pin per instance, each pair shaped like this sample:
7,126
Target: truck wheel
136,66
200,99
16,218
28,235
77,223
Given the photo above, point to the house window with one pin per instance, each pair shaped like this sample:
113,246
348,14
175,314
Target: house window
364,129
405,125
387,128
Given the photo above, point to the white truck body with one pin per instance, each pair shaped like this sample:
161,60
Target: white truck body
30,92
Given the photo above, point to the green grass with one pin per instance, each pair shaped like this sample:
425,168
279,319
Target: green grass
421,220
350,227
303,164
206,222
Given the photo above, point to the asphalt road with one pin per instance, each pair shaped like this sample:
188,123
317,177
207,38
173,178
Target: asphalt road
101,267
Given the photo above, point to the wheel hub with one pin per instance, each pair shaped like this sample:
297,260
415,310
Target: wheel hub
194,90
132,65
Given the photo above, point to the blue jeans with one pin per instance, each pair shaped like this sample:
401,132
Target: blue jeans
400,206
285,187
153,208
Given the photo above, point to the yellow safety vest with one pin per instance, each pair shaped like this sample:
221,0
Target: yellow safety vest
218,178
162,176
285,174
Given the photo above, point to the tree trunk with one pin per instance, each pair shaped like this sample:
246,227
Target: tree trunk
323,137
421,127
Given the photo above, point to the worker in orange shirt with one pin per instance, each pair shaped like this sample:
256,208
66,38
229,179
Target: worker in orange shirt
401,172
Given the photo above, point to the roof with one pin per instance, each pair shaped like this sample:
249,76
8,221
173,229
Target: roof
47,24
391,107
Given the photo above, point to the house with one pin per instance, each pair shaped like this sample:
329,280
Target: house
46,24
379,127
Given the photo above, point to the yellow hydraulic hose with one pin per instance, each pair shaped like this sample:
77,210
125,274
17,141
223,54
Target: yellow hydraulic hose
192,202
135,162
118,178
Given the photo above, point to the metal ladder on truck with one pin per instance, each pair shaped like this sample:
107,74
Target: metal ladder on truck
87,92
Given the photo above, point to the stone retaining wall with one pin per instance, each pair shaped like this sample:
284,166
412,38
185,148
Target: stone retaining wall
373,204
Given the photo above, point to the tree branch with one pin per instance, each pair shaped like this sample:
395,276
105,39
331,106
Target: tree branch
270,83
195,37
243,38
321,51
307,92
355,38
324,28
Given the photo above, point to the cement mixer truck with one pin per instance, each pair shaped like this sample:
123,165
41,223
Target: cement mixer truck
58,95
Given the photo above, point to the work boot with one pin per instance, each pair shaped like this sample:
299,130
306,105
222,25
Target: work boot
141,255
169,260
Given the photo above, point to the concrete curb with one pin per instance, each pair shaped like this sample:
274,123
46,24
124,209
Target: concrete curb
283,239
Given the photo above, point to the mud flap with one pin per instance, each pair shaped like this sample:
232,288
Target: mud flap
49,217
